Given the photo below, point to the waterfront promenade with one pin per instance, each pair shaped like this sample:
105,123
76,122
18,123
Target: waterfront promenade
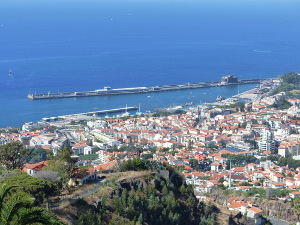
250,95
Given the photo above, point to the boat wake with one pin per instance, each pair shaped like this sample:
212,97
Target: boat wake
262,51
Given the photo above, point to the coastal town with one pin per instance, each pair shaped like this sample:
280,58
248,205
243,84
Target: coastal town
236,146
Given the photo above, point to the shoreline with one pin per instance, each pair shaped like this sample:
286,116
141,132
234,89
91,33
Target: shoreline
148,102
251,95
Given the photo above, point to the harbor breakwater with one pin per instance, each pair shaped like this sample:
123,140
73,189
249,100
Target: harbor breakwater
136,90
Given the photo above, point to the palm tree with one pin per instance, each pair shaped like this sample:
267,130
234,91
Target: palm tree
16,208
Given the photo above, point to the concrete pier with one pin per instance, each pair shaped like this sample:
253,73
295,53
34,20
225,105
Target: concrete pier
136,90
91,114
109,111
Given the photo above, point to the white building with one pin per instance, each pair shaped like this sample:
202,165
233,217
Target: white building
104,138
266,145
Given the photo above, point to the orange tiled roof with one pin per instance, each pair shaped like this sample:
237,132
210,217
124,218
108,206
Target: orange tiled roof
236,205
224,151
235,199
37,166
106,166
256,210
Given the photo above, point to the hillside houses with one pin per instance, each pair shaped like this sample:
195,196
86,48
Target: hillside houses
191,141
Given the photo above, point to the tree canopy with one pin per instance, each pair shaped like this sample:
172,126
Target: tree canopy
282,104
64,156
134,164
39,188
292,163
13,155
65,165
40,154
240,160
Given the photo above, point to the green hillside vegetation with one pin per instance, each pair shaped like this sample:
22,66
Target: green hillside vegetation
160,202
39,188
290,84
158,196
143,197
282,104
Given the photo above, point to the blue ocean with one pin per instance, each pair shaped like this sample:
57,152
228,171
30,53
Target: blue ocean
75,45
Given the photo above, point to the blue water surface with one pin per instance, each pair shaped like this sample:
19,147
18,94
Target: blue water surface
75,45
